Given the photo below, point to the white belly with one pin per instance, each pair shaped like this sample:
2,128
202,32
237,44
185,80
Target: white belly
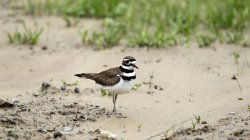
120,88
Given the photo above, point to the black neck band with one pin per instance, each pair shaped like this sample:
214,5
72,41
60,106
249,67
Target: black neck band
128,78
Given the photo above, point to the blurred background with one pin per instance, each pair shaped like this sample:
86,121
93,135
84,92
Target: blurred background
148,23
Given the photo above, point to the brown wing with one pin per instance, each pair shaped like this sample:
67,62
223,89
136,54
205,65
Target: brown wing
108,78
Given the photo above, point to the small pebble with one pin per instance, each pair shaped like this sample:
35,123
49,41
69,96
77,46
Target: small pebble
35,94
77,90
149,92
108,135
238,132
45,85
163,137
203,122
234,77
63,88
67,129
4,103
198,139
158,60
232,113
80,132
92,138
44,47
157,101
91,118
57,134
44,130
240,98
231,138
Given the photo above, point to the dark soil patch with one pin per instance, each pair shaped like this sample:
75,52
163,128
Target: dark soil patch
192,132
46,113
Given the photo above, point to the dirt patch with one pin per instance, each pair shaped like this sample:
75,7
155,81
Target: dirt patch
236,126
193,132
47,113
231,128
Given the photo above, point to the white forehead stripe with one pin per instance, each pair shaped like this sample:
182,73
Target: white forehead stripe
128,67
125,59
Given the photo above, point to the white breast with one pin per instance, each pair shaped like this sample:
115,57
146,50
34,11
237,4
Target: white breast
129,74
120,88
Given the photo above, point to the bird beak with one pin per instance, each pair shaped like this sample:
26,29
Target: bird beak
135,66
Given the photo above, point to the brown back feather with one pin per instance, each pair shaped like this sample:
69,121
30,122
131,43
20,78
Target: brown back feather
107,78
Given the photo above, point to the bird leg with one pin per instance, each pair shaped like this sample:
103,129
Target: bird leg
114,109
114,103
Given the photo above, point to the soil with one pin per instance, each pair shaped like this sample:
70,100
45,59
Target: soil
187,81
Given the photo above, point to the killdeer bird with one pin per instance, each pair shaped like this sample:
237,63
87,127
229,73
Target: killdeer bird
116,80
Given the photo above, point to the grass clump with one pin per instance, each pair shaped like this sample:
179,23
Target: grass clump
100,39
136,86
66,84
27,37
236,57
110,36
198,119
233,37
205,40
40,7
231,15
70,22
145,39
155,23
104,92
76,8
245,43
91,8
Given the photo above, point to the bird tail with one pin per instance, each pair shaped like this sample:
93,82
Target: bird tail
85,75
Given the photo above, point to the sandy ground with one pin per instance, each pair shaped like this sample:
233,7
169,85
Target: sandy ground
195,82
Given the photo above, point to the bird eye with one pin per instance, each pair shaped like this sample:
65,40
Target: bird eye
127,62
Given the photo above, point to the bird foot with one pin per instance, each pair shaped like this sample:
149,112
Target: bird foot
117,115
113,112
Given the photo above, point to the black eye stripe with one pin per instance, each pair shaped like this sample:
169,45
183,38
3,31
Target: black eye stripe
126,64
127,61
